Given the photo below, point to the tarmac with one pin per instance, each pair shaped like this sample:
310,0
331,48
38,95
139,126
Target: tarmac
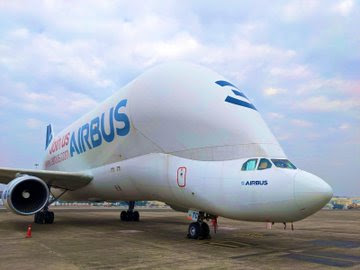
95,238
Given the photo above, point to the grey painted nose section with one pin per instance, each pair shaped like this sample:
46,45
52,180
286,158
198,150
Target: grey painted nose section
311,192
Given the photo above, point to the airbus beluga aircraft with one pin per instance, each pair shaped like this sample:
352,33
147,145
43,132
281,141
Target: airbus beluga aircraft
181,134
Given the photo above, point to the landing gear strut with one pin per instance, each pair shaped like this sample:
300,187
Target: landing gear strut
199,229
130,214
44,216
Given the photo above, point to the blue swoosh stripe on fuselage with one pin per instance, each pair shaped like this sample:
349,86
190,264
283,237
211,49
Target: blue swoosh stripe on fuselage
225,83
239,93
239,102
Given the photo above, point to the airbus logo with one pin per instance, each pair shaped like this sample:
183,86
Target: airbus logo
241,99
92,134
255,183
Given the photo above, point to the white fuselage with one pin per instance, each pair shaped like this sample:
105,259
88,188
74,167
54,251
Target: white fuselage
180,134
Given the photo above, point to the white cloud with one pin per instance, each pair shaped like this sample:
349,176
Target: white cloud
19,33
275,116
344,126
313,136
271,91
291,72
56,102
180,46
297,10
88,45
33,123
301,123
281,133
349,86
243,49
38,97
249,29
324,104
80,102
3,101
343,7
284,136
46,58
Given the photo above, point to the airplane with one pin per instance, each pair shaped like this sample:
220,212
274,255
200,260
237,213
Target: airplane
182,134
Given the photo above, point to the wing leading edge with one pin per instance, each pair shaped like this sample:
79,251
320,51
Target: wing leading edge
65,180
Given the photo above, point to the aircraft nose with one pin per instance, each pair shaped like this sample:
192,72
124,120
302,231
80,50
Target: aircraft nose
311,192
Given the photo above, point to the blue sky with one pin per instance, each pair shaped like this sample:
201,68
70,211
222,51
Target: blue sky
299,61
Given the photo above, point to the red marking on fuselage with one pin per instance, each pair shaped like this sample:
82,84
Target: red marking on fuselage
59,143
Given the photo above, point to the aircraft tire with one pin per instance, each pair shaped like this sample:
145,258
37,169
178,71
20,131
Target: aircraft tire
36,218
46,217
194,230
135,216
205,230
49,217
124,216
52,217
39,218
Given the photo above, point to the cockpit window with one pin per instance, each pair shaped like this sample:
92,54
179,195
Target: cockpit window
249,165
283,163
264,164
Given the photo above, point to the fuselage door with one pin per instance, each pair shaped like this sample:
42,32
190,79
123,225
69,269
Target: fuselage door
181,177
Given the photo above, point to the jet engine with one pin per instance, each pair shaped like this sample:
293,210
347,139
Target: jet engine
25,195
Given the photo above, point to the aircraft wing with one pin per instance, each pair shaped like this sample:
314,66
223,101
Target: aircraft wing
65,180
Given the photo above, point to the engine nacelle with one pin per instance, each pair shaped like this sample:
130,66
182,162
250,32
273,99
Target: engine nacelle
25,195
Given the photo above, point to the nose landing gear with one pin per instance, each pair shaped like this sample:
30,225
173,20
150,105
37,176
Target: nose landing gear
200,229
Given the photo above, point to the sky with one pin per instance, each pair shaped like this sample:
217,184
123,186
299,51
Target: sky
298,61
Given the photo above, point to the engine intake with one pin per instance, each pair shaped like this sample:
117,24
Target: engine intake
26,195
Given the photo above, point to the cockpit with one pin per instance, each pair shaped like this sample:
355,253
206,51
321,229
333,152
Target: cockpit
283,163
264,163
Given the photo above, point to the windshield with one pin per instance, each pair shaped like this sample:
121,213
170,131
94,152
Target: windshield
249,165
264,164
283,163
